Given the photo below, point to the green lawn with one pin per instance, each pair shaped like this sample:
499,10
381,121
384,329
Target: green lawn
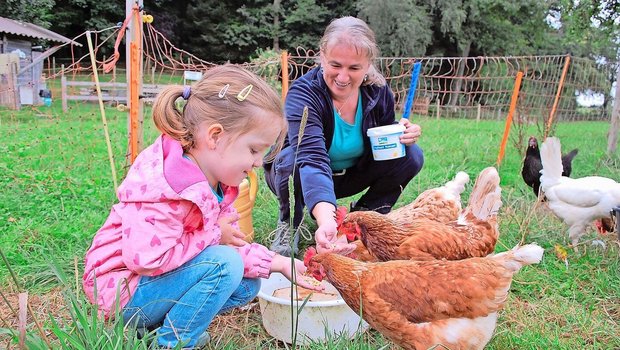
57,190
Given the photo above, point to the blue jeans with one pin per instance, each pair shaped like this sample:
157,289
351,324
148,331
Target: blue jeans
185,300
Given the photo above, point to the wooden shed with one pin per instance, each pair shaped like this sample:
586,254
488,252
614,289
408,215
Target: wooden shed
24,81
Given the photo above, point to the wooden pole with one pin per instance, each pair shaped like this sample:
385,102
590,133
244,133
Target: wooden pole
134,75
438,107
13,68
479,112
558,94
511,111
63,88
612,139
284,65
102,109
23,318
133,110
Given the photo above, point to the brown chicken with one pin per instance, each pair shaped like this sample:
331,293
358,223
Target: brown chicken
473,234
420,304
441,204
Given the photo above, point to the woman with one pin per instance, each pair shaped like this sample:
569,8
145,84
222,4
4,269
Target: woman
345,96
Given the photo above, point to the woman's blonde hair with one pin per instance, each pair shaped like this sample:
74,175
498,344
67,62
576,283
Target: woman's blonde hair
217,98
354,32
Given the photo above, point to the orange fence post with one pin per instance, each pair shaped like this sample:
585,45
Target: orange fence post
513,106
284,65
557,96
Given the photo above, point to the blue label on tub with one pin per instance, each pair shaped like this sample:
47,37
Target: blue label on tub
383,139
381,147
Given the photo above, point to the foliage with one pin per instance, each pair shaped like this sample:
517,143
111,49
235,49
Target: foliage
492,27
403,28
299,29
234,30
38,12
265,67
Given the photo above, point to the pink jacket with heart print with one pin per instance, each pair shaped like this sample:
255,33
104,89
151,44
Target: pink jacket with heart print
166,215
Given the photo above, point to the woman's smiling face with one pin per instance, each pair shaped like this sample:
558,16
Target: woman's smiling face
344,68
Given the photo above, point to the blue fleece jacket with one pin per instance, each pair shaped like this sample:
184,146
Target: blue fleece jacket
312,158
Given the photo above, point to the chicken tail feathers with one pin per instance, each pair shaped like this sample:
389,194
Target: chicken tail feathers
551,157
520,256
456,186
570,155
485,198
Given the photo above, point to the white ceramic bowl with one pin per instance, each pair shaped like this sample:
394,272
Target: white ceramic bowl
317,321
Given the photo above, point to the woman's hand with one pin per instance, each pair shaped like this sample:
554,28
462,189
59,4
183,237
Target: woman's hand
326,234
231,236
412,132
282,265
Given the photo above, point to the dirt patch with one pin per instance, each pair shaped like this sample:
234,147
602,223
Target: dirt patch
43,306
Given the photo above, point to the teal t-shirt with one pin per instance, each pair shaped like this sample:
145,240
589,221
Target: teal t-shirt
347,144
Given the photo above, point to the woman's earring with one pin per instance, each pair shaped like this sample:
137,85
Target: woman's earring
365,77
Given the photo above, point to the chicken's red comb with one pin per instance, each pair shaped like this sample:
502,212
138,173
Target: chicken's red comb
341,212
310,253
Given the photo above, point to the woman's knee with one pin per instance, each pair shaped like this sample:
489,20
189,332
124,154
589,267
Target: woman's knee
414,159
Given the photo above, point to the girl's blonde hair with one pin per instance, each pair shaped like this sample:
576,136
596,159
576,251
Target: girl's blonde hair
354,32
218,98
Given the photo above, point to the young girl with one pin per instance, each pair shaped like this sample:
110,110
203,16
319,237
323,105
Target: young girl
170,253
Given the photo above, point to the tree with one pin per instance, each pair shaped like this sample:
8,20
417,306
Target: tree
403,28
303,24
32,11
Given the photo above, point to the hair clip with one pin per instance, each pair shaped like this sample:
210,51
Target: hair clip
243,94
187,90
223,91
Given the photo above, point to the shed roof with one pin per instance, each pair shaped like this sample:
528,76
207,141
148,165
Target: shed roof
30,30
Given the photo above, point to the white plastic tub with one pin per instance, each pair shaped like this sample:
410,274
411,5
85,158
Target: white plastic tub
385,141
317,321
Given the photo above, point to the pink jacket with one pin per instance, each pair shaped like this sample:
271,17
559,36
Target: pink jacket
166,215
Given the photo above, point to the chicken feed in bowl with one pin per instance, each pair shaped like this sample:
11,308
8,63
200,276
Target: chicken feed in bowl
324,315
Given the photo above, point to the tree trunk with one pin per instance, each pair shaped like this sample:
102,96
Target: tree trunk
458,81
276,25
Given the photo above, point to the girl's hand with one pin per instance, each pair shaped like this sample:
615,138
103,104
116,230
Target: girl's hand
282,265
412,132
231,236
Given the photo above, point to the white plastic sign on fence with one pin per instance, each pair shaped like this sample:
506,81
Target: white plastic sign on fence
191,75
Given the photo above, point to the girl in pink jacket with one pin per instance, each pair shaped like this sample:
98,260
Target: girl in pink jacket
170,254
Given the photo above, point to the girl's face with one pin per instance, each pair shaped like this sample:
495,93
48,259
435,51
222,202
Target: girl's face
230,156
344,68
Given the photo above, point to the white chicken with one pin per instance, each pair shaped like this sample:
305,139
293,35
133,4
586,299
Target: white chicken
577,202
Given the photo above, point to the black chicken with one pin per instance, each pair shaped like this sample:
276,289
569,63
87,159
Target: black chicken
532,164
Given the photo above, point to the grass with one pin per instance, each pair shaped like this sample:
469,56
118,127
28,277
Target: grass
58,190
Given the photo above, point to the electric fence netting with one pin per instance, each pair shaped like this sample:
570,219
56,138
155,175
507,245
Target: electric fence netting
482,87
